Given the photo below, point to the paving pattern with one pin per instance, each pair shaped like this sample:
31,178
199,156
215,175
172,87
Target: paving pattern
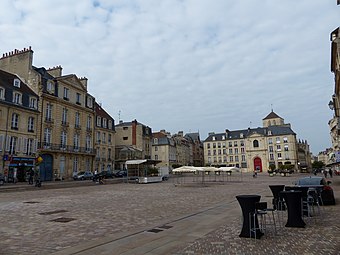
47,220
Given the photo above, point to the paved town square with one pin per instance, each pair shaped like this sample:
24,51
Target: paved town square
159,218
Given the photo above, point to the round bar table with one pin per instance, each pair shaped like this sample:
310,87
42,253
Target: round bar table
276,189
293,200
247,203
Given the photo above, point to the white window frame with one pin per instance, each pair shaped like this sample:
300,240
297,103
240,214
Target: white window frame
30,124
2,93
15,121
33,103
77,119
76,139
17,97
66,93
47,137
63,139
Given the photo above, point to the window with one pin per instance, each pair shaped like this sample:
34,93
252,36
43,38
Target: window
242,143
75,164
235,143
104,138
208,145
17,98
109,138
63,140
66,93
13,145
286,147
224,145
110,124
50,86
88,143
47,137
104,123
155,140
277,139
49,112
89,102
223,137
286,156
125,138
156,157
99,120
213,138
214,145
16,83
78,98
125,128
224,151
242,150
243,158
209,153
109,153
156,148
29,146
278,147
269,132
33,103
77,120
236,150
285,139
279,156
231,159
98,137
230,151
218,145
271,156
271,149
1,142
76,142
255,144
30,124
230,144
2,93
89,123
15,121
64,116
219,152
270,140
236,158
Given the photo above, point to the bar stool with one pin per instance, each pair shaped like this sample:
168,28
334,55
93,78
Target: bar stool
262,210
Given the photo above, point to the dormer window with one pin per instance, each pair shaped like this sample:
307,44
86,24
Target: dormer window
223,137
66,93
104,123
98,121
213,138
89,102
2,93
16,83
50,87
33,103
269,132
241,135
17,98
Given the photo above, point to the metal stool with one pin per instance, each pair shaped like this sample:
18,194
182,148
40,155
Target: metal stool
262,210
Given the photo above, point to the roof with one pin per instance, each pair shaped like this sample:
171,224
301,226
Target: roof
193,136
6,80
101,112
272,115
237,134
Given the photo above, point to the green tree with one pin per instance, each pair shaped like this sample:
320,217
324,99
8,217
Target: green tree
318,165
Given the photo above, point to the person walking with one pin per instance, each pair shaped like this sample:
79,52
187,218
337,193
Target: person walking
30,176
325,172
330,172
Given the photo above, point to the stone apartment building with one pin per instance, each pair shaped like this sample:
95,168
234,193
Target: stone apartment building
164,150
133,141
105,140
254,148
18,126
197,148
66,123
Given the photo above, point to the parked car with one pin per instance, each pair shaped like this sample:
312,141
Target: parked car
327,193
2,179
104,174
120,173
85,175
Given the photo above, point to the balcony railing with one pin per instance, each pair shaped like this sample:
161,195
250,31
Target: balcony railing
65,148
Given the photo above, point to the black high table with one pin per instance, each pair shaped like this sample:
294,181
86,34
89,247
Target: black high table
293,200
247,203
276,189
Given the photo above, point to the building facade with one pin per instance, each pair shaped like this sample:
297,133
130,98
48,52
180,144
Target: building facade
272,145
18,127
197,148
133,141
105,140
66,123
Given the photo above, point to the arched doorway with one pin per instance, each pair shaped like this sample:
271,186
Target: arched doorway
46,168
258,164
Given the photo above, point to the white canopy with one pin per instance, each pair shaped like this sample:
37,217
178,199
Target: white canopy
186,169
136,161
230,168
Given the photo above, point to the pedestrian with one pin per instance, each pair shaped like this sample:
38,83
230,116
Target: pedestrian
331,173
325,172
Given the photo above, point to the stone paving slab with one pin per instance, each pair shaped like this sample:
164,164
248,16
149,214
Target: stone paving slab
104,213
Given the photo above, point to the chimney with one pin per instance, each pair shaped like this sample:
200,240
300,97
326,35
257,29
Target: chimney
55,71
83,81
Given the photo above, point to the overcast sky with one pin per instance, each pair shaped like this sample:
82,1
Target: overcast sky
190,65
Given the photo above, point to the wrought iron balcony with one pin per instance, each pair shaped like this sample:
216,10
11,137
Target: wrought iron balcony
65,148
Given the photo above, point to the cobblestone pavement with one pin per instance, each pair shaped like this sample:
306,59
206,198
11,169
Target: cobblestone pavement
43,221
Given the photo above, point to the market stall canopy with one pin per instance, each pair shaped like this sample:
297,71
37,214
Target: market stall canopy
185,169
229,168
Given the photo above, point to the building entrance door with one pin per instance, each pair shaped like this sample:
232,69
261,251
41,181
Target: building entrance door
258,164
